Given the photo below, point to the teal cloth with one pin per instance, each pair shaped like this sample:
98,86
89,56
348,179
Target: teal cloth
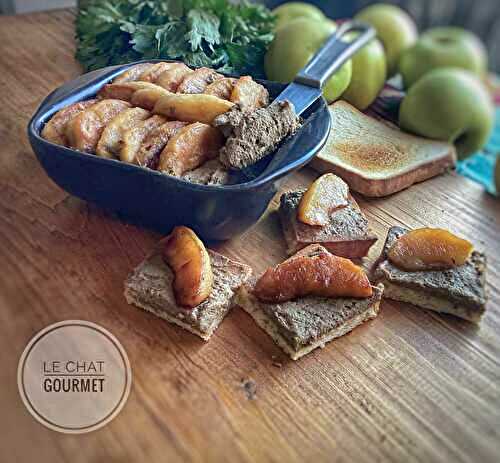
480,166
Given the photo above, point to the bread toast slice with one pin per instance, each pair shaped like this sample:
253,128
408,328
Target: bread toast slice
459,291
149,287
302,325
376,159
346,235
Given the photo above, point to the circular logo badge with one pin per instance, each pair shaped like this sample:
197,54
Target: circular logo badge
74,376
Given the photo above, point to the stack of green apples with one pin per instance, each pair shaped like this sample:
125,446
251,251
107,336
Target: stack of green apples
442,70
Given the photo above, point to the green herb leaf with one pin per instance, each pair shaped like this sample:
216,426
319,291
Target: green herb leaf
213,33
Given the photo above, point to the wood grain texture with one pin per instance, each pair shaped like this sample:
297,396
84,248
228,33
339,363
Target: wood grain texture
409,386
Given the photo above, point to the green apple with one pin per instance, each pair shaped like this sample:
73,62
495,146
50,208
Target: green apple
443,47
294,44
369,72
395,29
449,104
291,10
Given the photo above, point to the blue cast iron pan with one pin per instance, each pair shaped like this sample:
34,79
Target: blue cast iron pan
158,201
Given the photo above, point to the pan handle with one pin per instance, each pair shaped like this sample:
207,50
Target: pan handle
335,52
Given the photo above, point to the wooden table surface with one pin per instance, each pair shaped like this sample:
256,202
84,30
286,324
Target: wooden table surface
410,385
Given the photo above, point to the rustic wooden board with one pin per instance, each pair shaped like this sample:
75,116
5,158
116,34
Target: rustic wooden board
408,386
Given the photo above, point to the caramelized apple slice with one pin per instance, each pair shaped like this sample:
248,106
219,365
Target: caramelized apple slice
109,144
54,129
124,91
171,78
133,137
132,73
429,249
186,255
197,81
189,148
85,129
249,94
325,195
153,144
192,108
221,88
147,97
322,274
152,73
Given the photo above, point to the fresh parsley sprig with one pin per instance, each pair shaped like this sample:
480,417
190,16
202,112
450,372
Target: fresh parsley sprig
213,33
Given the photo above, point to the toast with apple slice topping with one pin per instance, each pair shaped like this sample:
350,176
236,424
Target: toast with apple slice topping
339,224
151,287
459,290
306,322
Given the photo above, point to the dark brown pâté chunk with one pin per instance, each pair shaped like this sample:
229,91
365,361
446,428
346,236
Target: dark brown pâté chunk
305,320
253,135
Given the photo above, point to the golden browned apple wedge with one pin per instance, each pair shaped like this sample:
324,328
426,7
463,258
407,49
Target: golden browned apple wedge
171,78
132,73
147,97
429,249
188,258
221,88
321,274
249,94
153,144
109,144
152,73
85,129
133,137
197,81
124,91
55,128
189,148
192,108
326,194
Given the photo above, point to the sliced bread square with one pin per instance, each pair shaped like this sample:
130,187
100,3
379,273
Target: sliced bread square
149,287
376,159
458,291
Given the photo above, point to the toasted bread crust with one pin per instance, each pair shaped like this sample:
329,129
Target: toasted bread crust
377,160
